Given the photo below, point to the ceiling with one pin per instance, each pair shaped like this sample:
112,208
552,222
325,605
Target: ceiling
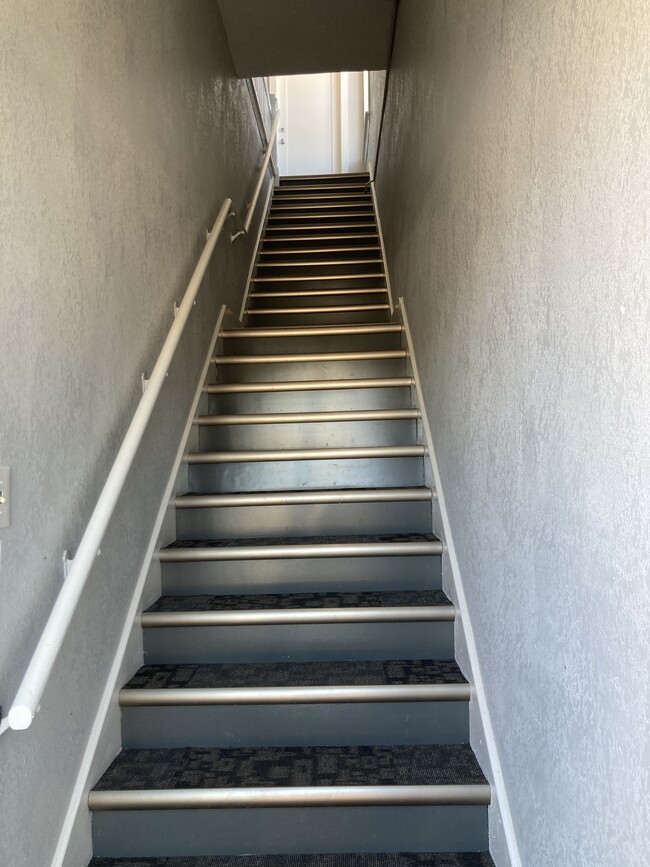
289,37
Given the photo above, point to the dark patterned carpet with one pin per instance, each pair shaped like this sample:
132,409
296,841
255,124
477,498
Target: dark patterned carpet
390,672
303,540
213,767
264,601
457,859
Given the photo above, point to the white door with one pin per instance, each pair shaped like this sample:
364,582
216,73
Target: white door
321,125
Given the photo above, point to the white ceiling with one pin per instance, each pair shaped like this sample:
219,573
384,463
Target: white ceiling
289,37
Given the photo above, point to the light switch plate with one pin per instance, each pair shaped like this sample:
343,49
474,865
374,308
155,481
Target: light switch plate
5,494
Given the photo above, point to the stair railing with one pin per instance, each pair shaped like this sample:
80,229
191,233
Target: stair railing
33,685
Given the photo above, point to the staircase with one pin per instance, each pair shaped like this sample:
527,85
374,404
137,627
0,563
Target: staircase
300,703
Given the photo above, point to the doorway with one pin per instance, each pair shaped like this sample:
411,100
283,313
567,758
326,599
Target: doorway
321,123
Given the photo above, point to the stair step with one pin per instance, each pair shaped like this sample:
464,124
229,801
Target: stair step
309,357
303,338
311,251
337,416
375,393
408,451
370,234
284,498
319,262
317,547
352,329
309,385
202,800
346,703
331,314
318,278
328,178
394,859
367,225
363,203
440,774
290,607
297,682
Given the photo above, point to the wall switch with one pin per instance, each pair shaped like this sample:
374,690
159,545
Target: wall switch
5,497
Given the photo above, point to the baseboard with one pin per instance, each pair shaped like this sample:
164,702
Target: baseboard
77,819
503,841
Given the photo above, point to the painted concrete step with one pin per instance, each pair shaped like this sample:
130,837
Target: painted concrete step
303,430
310,395
280,367
296,704
303,513
390,562
206,800
305,469
306,339
271,627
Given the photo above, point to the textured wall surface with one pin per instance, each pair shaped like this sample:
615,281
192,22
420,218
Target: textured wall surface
122,129
514,193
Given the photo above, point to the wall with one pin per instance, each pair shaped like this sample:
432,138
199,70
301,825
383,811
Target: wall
123,128
514,196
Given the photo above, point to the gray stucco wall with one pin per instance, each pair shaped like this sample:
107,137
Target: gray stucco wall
514,193
122,130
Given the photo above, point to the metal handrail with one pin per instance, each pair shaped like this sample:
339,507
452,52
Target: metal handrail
33,685
245,226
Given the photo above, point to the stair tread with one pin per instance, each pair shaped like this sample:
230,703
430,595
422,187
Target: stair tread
271,767
300,601
296,674
392,859
302,540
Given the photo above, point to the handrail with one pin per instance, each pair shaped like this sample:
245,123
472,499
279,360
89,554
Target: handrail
245,226
33,685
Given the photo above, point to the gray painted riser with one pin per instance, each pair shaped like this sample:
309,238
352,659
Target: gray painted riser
303,520
327,228
285,725
328,317
296,576
264,298
276,267
296,242
306,475
303,220
354,249
272,371
308,435
309,642
398,397
286,830
283,283
254,345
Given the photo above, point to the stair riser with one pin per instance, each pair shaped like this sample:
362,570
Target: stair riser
298,198
340,317
312,298
310,642
330,269
316,435
303,520
291,725
287,830
352,574
306,475
316,228
309,317
304,211
361,249
282,371
329,400
296,243
290,343
354,278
